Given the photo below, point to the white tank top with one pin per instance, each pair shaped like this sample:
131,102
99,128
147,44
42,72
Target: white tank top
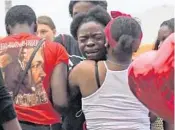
114,107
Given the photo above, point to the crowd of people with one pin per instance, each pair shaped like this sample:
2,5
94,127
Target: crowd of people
77,81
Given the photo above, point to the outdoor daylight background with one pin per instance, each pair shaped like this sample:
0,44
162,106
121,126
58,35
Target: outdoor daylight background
150,13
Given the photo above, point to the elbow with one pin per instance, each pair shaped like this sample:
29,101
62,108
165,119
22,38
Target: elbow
61,106
60,102
62,109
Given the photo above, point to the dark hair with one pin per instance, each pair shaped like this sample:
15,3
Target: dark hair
69,43
170,24
102,3
46,20
97,14
20,14
125,30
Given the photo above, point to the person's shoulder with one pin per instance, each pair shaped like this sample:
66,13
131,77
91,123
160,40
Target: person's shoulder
85,66
57,51
6,39
19,37
87,63
54,46
61,37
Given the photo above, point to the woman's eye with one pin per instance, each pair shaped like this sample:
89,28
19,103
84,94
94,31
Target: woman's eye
83,40
98,37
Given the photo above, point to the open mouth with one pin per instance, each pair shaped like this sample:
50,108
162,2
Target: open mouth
91,53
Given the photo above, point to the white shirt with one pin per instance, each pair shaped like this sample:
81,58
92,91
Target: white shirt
114,107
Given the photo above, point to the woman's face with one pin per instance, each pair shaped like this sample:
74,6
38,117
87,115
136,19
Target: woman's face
91,40
44,31
163,33
81,6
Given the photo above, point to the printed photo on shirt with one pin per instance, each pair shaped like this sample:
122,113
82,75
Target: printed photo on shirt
13,62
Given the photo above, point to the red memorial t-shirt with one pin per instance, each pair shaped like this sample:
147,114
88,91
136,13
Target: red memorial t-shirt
32,101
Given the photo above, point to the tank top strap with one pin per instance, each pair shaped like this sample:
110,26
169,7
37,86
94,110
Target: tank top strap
105,65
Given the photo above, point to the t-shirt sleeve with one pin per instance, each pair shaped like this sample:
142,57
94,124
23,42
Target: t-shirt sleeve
61,54
7,111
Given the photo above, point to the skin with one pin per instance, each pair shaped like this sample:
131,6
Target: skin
82,7
163,33
79,83
91,40
59,78
44,31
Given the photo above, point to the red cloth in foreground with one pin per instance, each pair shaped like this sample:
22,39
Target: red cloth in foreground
151,79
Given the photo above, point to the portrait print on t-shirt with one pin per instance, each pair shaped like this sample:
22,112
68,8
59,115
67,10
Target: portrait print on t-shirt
14,57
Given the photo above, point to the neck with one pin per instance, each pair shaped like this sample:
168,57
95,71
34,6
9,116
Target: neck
121,61
22,29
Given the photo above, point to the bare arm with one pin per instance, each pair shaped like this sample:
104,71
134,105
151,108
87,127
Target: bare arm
59,87
73,83
80,75
12,125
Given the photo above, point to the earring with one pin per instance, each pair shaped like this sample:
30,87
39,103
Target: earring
106,44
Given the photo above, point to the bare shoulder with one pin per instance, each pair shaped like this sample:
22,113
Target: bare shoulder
88,65
82,70
84,66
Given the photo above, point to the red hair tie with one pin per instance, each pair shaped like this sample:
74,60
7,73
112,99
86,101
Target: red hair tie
115,15
108,34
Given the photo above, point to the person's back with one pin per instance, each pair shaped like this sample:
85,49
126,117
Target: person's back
45,77
30,101
107,102
115,102
112,106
